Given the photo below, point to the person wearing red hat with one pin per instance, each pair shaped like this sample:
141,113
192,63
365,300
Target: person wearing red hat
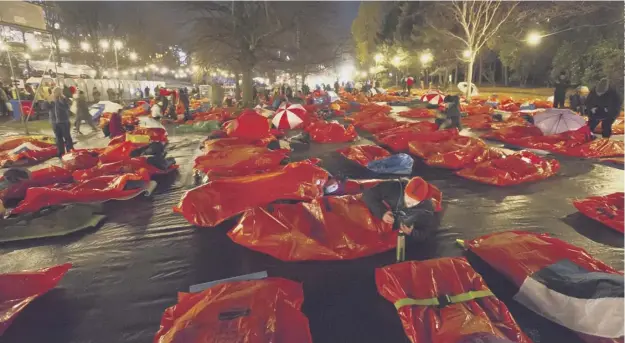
406,204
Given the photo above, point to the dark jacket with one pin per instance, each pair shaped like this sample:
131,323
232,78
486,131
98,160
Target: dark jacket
184,98
560,87
608,104
389,196
58,111
578,103
146,92
82,109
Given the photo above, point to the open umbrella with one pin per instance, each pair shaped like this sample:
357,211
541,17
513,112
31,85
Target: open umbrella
289,116
96,110
433,98
553,121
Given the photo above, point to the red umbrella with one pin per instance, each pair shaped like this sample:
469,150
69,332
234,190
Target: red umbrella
433,98
289,116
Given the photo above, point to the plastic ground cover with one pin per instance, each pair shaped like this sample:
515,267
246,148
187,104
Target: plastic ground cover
97,189
511,170
331,132
397,140
329,228
38,178
607,210
558,281
364,154
418,288
477,122
456,153
256,311
218,200
17,290
417,113
239,160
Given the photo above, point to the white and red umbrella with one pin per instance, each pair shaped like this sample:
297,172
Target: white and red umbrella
434,98
289,116
553,121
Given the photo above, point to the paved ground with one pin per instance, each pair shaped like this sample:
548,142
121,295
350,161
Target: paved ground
128,271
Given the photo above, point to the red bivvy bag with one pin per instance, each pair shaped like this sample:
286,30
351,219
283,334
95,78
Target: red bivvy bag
444,300
608,210
257,311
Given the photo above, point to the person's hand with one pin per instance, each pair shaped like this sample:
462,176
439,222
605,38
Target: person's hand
388,218
405,229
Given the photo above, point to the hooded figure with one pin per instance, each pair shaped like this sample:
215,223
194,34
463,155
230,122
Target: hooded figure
452,113
603,105
404,204
559,93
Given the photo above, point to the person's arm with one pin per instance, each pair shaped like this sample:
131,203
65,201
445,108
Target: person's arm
374,199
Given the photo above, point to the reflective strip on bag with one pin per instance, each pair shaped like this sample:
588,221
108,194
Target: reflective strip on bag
138,138
452,299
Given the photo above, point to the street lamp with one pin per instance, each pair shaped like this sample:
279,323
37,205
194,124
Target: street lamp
26,56
396,61
56,26
133,56
466,54
378,57
85,46
117,45
63,45
533,38
426,58
104,44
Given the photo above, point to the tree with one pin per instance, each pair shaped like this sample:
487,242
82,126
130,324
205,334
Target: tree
365,30
236,35
476,23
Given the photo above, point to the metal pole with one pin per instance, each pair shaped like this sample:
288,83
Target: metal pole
116,64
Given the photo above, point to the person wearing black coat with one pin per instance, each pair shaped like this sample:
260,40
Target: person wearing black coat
184,98
146,92
336,87
389,201
603,105
577,101
559,94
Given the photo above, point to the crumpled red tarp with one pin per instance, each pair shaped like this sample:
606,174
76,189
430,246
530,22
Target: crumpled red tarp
517,255
38,178
456,153
571,143
478,121
227,143
102,188
329,228
363,154
212,203
257,311
379,124
417,113
239,160
608,210
476,109
136,165
17,290
511,170
249,125
36,149
485,317
330,132
397,139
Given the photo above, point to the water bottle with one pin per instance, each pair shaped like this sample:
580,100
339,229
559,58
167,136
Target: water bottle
401,246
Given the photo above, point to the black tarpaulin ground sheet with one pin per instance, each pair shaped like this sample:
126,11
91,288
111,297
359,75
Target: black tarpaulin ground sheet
127,272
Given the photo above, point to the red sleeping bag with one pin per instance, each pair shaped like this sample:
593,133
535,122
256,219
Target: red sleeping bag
239,160
558,281
445,301
81,159
329,228
17,290
379,124
456,153
478,121
249,125
607,210
38,178
331,132
511,170
227,143
212,203
416,113
28,152
363,154
156,134
399,139
98,189
257,311
135,165
510,134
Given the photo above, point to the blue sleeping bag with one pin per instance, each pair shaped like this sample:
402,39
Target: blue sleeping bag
400,164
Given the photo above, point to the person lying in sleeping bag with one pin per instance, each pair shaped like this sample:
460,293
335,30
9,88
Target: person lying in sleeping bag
402,202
